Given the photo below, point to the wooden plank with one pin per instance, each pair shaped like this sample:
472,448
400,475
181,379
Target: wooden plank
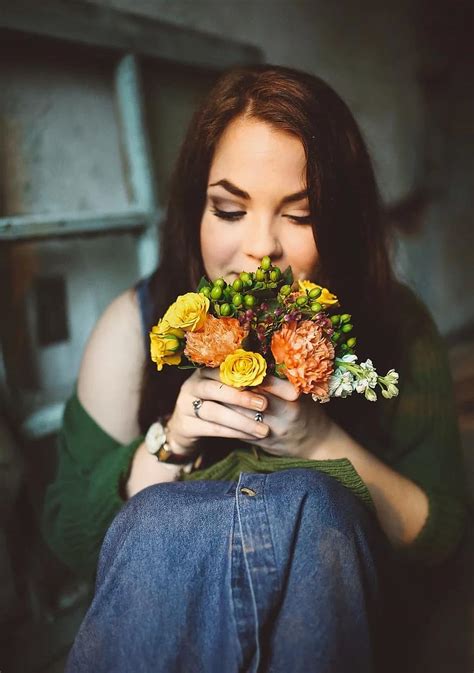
107,27
139,165
65,224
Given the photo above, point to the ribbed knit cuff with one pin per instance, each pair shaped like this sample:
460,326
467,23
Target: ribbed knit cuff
441,532
245,461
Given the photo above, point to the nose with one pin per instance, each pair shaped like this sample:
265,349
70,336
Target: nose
262,238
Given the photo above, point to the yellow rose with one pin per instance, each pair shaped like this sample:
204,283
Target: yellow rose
243,368
165,345
188,312
326,298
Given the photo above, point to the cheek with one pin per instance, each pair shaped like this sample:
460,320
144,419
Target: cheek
217,246
303,253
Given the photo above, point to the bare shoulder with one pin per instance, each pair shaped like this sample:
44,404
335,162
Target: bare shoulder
111,369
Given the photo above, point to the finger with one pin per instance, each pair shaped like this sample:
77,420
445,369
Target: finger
210,389
279,387
216,416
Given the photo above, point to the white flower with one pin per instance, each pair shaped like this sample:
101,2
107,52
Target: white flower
370,394
349,357
341,383
391,376
370,378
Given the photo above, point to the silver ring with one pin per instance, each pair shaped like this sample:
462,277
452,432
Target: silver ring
197,404
259,417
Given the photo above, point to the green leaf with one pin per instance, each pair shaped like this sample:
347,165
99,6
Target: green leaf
286,277
203,283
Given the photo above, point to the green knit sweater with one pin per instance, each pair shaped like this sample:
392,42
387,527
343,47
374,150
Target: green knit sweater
422,443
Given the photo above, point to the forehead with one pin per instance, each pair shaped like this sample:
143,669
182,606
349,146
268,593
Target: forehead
252,148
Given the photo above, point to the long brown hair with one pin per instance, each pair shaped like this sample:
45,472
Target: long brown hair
351,235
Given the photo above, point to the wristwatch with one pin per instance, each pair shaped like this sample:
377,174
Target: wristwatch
157,445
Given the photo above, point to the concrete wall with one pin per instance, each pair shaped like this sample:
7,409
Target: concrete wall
403,71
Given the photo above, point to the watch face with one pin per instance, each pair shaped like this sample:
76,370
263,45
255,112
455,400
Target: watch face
155,438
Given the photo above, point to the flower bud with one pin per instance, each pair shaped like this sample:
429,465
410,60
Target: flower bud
216,292
315,292
266,263
249,300
237,299
237,285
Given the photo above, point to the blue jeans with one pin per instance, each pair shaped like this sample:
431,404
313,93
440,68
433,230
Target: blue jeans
275,573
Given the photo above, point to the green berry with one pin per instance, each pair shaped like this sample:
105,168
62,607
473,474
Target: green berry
226,309
275,275
220,282
249,300
335,319
347,327
285,290
245,277
315,292
237,284
345,317
316,307
301,301
206,291
336,336
344,348
260,275
266,263
216,292
237,299
351,342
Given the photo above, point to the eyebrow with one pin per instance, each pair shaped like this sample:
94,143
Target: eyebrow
236,191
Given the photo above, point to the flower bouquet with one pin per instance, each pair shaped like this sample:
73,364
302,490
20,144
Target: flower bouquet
265,323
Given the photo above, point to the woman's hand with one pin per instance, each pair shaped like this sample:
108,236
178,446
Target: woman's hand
225,412
296,423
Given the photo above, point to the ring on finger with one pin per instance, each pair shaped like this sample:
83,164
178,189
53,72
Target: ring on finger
197,404
259,417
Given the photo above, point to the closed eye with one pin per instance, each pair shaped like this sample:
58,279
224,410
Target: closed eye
234,215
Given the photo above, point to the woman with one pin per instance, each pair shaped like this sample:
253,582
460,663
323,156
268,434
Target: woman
273,559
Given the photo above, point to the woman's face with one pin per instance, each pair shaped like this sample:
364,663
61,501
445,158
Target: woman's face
248,214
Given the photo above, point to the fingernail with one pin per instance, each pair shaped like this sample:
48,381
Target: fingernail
261,431
258,403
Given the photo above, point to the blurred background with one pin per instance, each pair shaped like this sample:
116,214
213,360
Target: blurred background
95,96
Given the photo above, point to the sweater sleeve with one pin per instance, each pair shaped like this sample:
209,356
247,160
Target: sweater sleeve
426,444
85,496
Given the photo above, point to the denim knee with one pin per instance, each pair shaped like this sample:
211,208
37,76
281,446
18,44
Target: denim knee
331,501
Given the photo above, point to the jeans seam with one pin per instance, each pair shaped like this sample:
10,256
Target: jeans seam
249,575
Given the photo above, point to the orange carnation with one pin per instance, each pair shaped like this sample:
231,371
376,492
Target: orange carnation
305,356
218,338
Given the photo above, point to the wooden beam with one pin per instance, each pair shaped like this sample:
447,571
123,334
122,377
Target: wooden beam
25,227
79,21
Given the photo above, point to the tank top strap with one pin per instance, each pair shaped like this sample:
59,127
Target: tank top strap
142,288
